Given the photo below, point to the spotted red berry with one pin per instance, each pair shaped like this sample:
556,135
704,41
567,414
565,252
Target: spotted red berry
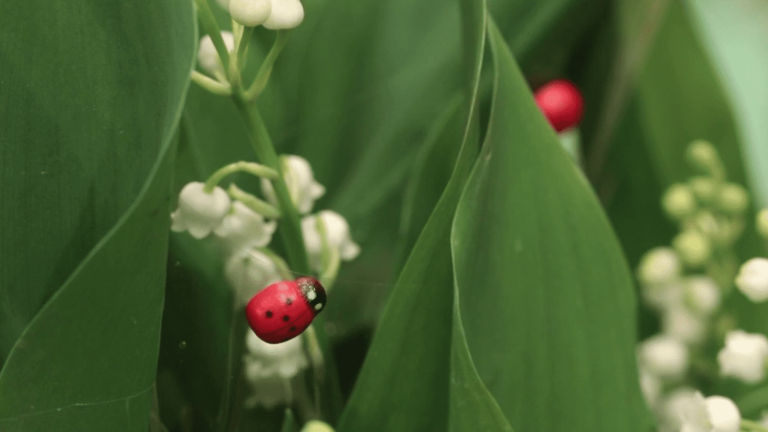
561,103
284,309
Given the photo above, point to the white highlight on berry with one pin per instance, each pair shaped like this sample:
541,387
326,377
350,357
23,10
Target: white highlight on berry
744,356
199,212
318,306
752,279
311,295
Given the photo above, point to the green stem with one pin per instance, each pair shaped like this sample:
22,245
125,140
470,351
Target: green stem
205,14
260,82
249,167
261,207
753,426
329,258
237,60
290,229
212,85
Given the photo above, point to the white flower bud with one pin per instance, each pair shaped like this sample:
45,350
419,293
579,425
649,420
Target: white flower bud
199,212
249,271
316,426
702,295
250,13
713,414
339,238
705,188
683,325
658,266
744,356
286,14
703,154
673,408
303,188
208,57
678,201
732,199
752,279
723,414
650,386
663,296
762,223
243,227
764,419
664,356
693,248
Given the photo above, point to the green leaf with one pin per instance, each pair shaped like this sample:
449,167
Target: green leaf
546,296
84,115
735,36
90,128
404,383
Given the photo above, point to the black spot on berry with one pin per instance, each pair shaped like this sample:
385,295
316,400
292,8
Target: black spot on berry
286,318
293,328
269,314
289,301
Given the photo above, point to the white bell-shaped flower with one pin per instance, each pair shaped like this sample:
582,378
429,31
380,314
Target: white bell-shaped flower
209,57
713,414
339,238
243,227
199,212
286,14
269,368
702,295
249,271
664,356
659,266
744,356
300,180
764,419
752,279
684,325
250,13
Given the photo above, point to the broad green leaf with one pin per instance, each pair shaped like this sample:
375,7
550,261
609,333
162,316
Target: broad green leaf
546,296
89,93
735,35
91,128
404,384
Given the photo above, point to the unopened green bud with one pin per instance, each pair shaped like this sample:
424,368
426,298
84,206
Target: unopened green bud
693,247
316,426
762,223
702,154
705,188
707,224
732,199
678,201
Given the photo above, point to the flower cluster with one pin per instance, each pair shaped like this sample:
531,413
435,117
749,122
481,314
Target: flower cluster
243,225
686,284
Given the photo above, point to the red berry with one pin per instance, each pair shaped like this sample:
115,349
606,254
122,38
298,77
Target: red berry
561,103
284,309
